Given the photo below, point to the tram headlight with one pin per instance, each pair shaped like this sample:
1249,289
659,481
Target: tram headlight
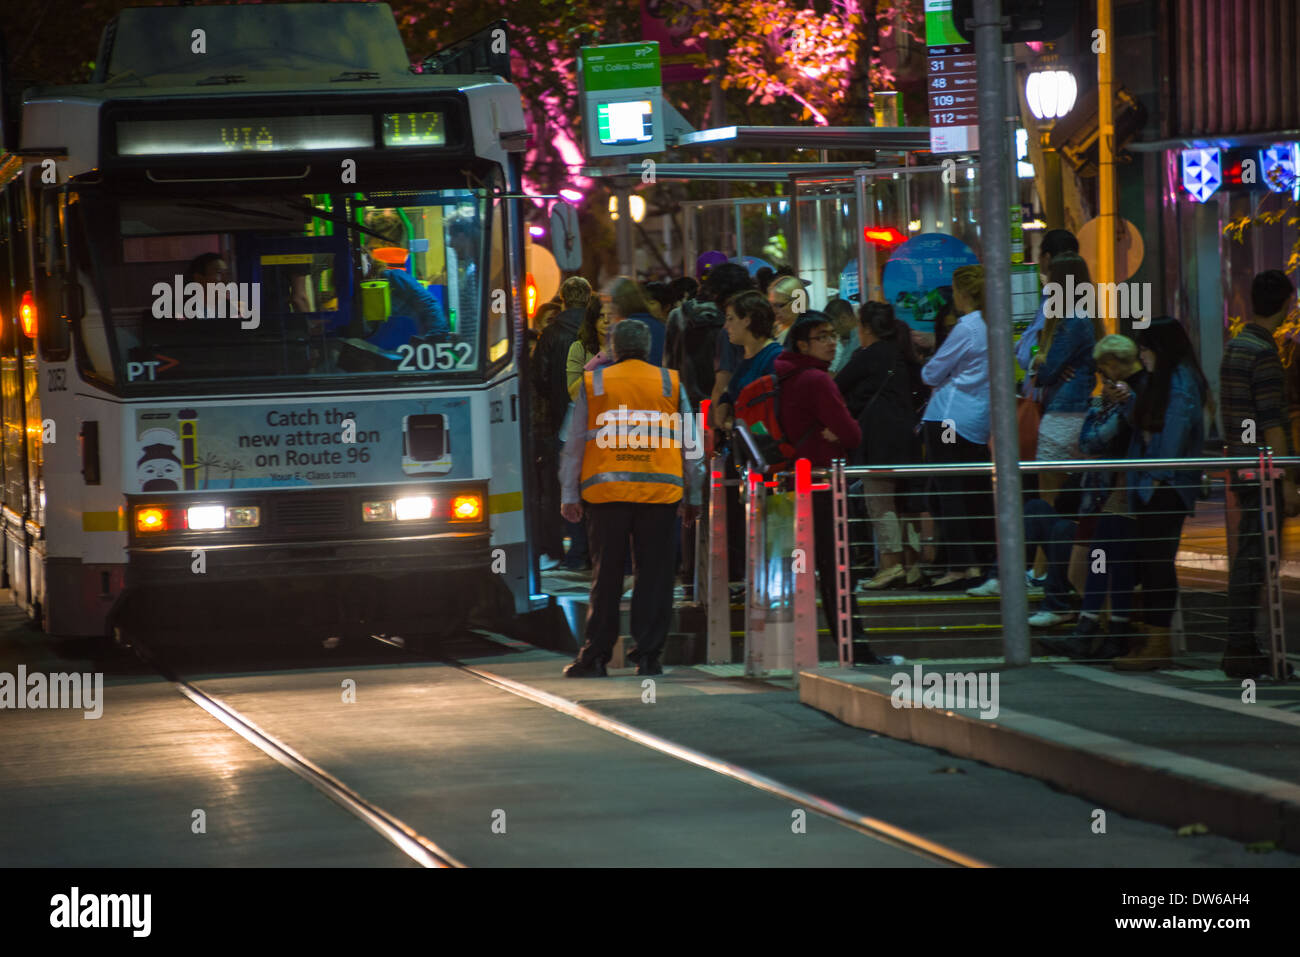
414,507
377,511
243,516
205,517
467,508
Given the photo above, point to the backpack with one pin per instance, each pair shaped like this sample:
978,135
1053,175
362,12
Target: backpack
694,343
759,407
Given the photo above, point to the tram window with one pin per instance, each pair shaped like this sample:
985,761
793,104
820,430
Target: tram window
293,285
51,324
498,318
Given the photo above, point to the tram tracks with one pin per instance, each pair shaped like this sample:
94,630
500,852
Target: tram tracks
428,853
410,842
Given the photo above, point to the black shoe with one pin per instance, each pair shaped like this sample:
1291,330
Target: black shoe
650,666
585,669
1252,663
1112,646
863,655
1077,645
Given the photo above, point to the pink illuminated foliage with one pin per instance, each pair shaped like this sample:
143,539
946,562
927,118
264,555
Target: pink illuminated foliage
817,60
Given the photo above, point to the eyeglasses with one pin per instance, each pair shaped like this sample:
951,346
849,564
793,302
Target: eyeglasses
824,337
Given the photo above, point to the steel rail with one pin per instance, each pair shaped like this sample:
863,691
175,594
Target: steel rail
409,841
873,827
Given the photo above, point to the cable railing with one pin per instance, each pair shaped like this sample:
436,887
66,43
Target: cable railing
1113,562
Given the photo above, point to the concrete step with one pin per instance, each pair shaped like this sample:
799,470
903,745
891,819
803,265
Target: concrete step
1140,745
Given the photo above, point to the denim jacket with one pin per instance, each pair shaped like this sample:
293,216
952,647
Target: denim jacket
1071,349
1182,437
1105,435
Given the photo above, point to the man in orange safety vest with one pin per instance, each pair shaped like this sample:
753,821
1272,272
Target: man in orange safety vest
633,455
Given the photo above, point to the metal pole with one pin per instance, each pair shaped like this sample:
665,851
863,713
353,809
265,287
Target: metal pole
623,232
843,595
995,234
719,642
1012,114
1107,220
1272,562
805,588
865,290
755,575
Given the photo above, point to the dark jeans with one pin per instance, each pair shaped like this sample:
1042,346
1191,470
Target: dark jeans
1116,537
824,548
1156,532
1045,528
650,528
962,504
1246,573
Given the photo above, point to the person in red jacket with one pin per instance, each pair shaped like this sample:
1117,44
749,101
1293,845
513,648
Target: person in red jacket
814,415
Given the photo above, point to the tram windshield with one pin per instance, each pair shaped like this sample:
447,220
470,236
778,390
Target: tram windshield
208,288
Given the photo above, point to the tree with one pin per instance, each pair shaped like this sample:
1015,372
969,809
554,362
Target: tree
820,58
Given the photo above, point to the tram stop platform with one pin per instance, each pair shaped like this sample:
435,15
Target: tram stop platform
1178,747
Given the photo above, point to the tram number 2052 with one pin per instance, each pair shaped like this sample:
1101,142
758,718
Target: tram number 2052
445,355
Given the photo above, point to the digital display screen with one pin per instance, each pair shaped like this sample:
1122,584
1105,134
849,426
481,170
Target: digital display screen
415,129
266,134
627,122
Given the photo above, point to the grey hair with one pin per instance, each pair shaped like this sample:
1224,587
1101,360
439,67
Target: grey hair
631,339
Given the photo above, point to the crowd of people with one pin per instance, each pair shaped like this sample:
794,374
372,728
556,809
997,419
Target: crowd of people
858,383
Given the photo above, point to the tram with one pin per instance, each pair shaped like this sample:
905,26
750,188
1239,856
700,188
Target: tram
261,286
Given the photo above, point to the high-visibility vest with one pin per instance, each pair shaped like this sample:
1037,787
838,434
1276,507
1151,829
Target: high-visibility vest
634,434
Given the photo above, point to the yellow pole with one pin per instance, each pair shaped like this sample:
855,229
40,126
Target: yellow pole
1108,220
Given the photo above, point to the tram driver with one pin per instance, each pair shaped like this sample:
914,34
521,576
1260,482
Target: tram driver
407,295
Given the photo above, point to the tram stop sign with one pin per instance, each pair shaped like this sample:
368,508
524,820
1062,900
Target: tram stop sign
622,99
566,244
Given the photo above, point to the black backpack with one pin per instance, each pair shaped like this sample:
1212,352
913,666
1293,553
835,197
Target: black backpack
697,342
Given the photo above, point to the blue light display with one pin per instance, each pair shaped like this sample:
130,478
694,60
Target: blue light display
1202,173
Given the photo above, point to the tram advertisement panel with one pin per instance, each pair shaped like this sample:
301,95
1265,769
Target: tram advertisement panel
294,445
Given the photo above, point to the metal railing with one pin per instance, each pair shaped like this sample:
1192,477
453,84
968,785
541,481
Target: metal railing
780,585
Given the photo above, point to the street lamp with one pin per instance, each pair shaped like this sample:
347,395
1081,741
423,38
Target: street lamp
1051,93
635,202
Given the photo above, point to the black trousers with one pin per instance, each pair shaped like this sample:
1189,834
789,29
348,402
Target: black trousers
1246,573
1156,532
962,504
824,548
550,530
651,530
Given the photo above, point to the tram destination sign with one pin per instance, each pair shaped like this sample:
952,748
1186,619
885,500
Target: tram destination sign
263,134
951,83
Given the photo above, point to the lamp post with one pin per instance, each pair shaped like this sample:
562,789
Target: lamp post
1050,94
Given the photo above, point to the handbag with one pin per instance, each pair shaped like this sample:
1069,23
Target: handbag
1029,415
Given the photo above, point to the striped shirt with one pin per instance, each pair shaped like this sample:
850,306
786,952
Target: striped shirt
1251,389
